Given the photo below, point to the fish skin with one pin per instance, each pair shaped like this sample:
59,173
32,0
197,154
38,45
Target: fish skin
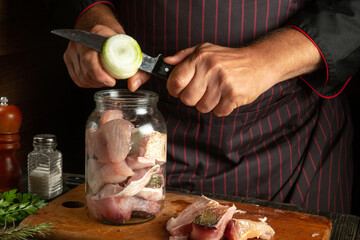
213,230
179,226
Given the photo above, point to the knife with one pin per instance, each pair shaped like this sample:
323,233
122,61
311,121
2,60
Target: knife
156,66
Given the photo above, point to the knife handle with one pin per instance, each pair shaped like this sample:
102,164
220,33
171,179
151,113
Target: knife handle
162,69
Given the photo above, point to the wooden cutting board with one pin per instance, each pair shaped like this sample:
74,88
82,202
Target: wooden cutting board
73,220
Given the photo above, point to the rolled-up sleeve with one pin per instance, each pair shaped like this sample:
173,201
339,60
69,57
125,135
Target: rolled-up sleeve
65,13
334,28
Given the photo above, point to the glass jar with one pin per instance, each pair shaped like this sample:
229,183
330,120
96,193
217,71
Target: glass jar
125,153
45,167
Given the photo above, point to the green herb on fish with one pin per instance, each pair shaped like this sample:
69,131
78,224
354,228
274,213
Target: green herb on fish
156,181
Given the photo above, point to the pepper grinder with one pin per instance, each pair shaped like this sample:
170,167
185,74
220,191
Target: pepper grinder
10,168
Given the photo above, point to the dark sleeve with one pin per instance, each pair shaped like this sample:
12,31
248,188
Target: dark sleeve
334,27
65,13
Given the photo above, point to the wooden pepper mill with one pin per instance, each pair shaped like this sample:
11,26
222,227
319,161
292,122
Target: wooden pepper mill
10,168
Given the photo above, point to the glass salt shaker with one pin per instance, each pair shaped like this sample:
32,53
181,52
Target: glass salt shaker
125,147
45,167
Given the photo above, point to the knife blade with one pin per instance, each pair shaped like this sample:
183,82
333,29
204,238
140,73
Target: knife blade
154,65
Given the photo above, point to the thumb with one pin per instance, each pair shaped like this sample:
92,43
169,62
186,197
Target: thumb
180,56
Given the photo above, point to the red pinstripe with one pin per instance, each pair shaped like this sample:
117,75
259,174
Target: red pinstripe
77,19
144,24
135,20
177,25
219,147
184,142
216,21
278,14
267,15
207,144
173,151
165,5
190,8
154,32
229,23
258,173
203,21
242,23
255,17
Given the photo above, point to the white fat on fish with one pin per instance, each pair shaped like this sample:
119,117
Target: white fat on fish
152,194
154,146
263,219
243,229
240,211
315,234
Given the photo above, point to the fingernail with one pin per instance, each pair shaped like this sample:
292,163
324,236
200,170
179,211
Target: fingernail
109,83
136,84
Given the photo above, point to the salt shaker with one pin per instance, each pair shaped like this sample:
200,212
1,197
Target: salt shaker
45,167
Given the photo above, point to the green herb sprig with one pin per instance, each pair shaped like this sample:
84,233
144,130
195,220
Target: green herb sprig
14,206
24,231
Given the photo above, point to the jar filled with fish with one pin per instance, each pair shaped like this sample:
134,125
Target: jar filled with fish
125,157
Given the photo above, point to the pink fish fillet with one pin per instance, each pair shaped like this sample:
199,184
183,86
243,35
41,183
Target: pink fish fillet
109,115
100,174
182,224
136,162
114,209
243,229
112,141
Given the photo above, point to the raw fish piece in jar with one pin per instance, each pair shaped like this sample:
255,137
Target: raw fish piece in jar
152,194
146,206
154,146
109,115
135,162
112,209
138,181
112,141
100,174
133,186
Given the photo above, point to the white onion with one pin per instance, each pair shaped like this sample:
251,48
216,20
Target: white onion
121,56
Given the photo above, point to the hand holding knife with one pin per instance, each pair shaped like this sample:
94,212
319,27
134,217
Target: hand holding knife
155,66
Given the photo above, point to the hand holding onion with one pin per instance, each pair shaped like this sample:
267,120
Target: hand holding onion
120,59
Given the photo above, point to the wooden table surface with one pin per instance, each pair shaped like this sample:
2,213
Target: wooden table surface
344,227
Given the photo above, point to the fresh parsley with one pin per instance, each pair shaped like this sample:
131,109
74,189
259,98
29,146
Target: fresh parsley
14,206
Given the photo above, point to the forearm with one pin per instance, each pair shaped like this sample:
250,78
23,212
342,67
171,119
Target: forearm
99,14
287,53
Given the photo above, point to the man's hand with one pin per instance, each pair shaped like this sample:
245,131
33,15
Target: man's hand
220,79
83,63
